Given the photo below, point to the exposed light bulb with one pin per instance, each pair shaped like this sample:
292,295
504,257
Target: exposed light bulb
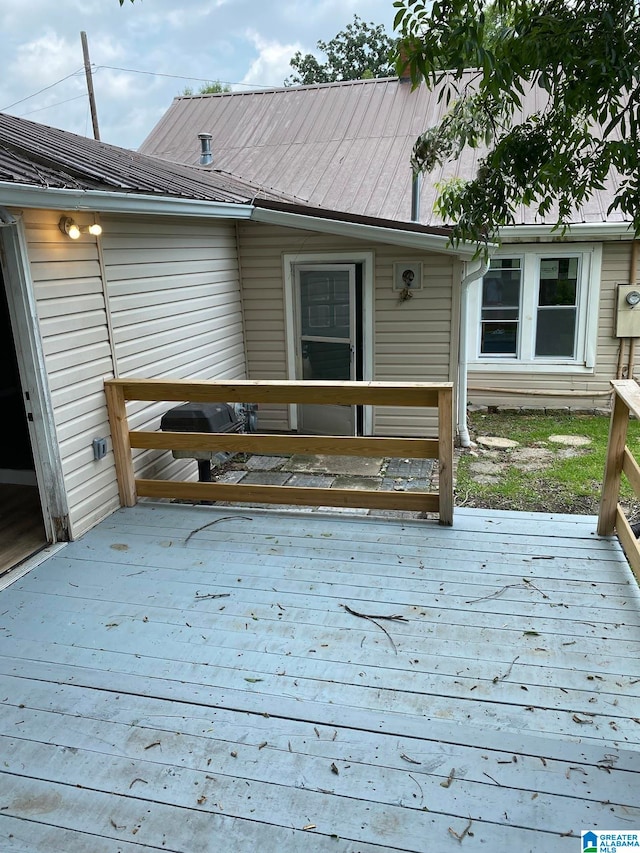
73,231
95,229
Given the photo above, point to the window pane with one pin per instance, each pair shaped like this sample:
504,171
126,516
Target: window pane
499,339
556,332
558,281
324,303
501,307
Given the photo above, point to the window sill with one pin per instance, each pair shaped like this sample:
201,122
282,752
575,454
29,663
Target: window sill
504,365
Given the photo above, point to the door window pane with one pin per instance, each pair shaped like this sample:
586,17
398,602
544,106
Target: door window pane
326,360
501,288
324,303
557,307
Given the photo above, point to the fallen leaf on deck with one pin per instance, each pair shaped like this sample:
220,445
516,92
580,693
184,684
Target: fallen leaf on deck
577,719
461,835
449,778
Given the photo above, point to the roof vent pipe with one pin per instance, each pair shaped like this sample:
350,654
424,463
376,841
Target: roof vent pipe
206,157
415,196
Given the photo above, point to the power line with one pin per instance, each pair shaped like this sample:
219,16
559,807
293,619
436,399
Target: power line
181,77
22,100
57,104
128,70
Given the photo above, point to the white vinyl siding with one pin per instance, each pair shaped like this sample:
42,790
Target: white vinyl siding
174,300
412,340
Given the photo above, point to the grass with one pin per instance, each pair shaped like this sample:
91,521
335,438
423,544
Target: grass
540,475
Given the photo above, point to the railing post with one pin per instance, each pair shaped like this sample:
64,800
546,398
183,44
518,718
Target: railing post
117,412
613,468
445,455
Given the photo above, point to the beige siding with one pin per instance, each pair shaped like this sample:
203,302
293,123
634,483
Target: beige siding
174,296
571,389
412,341
70,302
174,310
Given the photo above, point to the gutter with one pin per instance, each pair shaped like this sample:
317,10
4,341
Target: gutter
104,201
582,230
411,238
475,273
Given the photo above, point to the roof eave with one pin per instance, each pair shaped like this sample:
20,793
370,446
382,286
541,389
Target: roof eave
396,236
105,201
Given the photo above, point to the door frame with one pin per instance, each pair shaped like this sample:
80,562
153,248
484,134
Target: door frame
33,377
366,260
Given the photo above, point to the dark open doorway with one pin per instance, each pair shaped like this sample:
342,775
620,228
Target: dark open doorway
22,530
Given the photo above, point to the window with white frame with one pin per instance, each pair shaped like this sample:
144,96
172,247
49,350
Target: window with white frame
537,306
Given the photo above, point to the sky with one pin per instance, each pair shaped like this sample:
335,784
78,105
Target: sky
145,53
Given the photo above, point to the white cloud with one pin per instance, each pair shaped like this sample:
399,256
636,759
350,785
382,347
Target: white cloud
271,66
194,39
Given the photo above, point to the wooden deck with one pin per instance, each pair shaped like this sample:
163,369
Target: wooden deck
190,679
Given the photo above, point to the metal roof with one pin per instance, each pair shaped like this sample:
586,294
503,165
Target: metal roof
344,146
36,155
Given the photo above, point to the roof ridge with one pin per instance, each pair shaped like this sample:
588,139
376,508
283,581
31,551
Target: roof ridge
272,89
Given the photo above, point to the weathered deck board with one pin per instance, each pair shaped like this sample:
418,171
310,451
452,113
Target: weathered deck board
138,715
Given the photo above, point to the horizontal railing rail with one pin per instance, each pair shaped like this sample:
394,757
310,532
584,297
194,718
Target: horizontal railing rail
397,394
620,460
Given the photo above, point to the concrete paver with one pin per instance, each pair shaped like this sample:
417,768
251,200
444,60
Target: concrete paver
311,481
266,478
264,463
409,468
320,464
353,482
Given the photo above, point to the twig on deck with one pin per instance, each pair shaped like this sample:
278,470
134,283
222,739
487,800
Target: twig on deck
419,786
526,584
215,521
372,618
212,595
496,593
498,678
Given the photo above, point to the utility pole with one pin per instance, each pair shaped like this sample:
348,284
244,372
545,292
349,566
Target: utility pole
92,99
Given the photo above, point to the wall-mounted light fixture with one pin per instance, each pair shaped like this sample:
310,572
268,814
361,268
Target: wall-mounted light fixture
69,227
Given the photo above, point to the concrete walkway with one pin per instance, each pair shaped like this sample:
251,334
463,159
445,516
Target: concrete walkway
336,472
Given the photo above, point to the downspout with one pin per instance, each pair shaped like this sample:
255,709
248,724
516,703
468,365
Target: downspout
478,270
415,196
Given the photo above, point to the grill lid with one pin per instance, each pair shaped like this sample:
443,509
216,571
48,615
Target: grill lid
200,417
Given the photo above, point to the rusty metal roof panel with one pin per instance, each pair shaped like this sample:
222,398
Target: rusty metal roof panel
42,156
341,145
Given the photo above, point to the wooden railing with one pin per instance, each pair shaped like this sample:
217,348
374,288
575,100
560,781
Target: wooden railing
396,394
620,460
